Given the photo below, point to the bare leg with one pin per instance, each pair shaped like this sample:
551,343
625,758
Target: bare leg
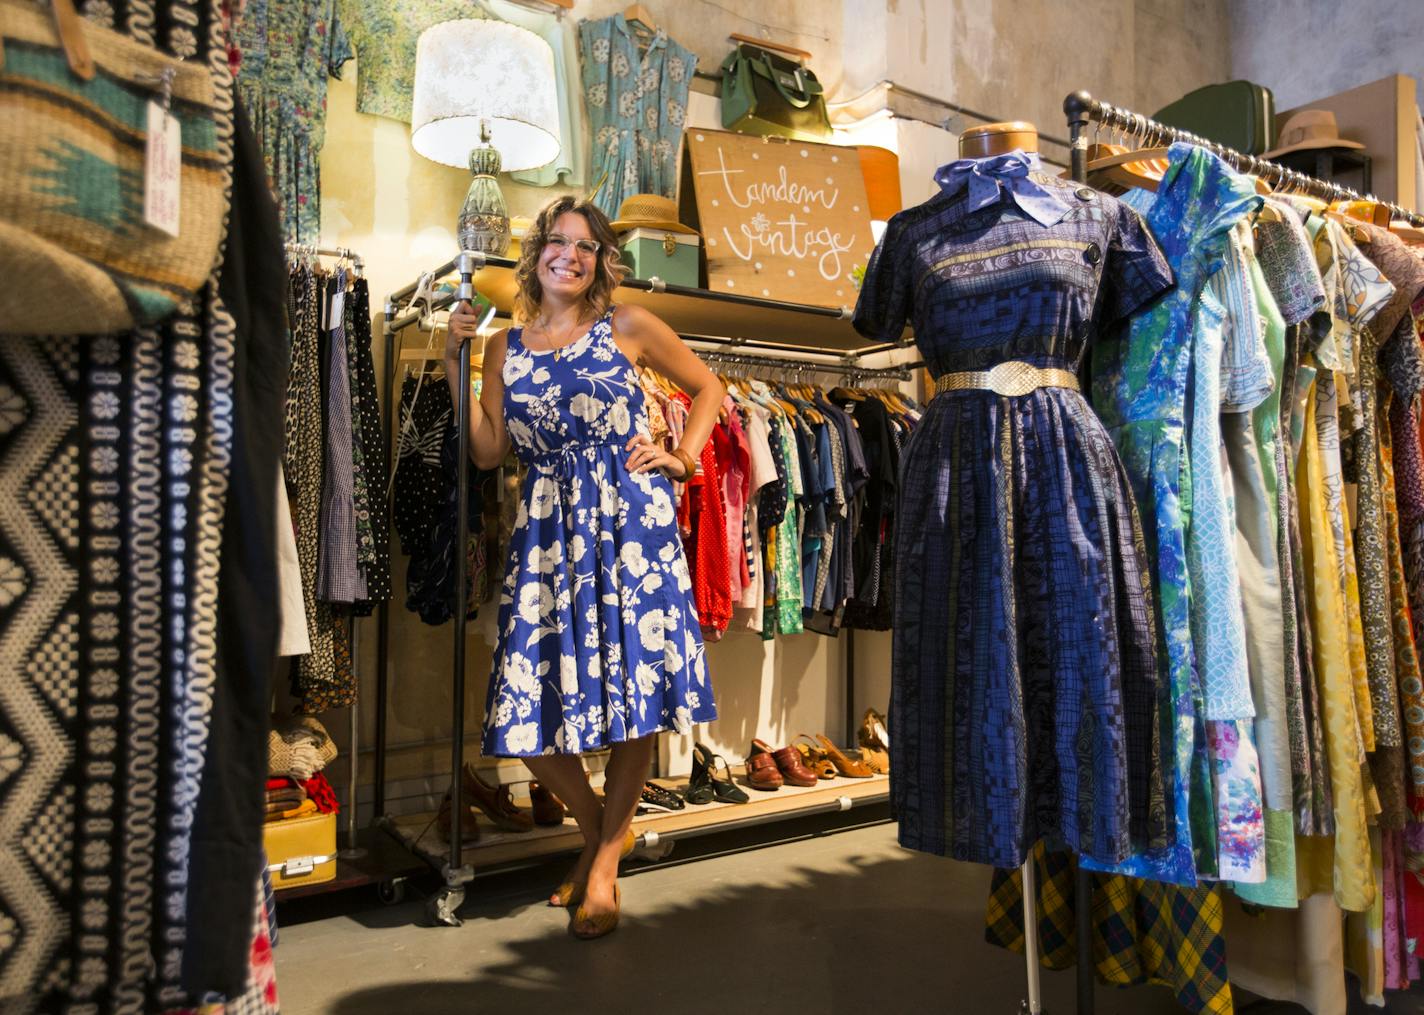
563,775
623,784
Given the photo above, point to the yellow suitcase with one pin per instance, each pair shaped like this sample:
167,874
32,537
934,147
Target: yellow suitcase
301,851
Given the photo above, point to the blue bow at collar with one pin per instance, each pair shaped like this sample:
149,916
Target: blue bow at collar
1004,176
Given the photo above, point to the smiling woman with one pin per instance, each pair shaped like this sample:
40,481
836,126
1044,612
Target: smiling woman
599,643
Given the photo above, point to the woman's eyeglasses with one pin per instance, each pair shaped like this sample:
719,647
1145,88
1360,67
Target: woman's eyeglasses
586,247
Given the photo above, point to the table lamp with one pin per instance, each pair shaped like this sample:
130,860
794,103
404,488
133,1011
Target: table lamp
485,97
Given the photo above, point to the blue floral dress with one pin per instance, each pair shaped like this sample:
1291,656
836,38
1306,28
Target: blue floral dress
598,634
1140,383
637,104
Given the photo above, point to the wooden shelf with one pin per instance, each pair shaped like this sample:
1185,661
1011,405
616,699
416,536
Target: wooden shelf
694,312
495,849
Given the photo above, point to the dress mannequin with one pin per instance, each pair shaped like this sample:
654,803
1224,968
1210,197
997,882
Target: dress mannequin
997,138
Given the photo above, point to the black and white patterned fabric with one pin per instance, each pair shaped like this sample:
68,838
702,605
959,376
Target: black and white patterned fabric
114,471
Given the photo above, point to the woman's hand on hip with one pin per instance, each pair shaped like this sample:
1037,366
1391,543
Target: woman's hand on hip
646,456
464,325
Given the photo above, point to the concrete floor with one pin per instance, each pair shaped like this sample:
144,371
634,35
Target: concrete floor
847,922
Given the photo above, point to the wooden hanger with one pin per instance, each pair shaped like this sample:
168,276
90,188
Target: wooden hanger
1408,232
637,14
1141,167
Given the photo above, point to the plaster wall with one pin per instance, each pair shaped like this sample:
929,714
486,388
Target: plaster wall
1305,49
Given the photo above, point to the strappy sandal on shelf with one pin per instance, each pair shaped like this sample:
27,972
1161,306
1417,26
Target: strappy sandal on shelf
588,928
814,758
570,892
847,767
725,790
874,743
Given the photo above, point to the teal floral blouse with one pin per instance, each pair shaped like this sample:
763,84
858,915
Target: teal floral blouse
637,105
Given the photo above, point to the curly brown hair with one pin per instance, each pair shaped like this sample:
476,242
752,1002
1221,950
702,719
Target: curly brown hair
608,270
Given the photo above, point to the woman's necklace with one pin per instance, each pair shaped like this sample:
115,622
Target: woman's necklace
564,341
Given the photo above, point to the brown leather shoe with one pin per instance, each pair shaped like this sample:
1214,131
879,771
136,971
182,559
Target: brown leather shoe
469,826
548,809
788,760
495,802
762,772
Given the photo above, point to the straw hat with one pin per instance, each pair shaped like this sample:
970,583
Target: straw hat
1310,128
649,211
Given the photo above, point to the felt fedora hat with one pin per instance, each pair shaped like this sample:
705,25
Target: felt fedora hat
1310,128
649,211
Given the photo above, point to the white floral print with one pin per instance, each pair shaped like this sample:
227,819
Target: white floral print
598,634
628,87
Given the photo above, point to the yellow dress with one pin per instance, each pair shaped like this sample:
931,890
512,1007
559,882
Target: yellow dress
1340,864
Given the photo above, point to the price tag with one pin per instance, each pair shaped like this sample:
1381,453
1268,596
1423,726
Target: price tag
163,162
338,304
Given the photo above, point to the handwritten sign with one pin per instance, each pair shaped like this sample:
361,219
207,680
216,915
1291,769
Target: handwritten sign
785,220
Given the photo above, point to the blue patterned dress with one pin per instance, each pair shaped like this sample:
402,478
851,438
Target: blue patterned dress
598,634
637,104
1024,692
1140,381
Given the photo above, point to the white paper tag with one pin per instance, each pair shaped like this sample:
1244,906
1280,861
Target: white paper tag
163,161
338,303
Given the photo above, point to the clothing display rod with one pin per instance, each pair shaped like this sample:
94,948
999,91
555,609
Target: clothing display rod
1082,109
312,250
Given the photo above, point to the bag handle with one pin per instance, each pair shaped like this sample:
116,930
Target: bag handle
802,92
71,36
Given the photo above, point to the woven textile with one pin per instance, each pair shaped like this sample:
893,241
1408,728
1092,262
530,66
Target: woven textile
1143,931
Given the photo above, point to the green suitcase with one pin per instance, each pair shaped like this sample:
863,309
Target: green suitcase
1237,114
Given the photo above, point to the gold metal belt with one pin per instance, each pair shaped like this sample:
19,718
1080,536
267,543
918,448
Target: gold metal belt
1010,379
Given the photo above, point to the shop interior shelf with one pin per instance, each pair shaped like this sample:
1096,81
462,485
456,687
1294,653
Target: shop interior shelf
693,312
494,849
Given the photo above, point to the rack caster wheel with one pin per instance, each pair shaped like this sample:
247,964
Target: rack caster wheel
392,891
442,906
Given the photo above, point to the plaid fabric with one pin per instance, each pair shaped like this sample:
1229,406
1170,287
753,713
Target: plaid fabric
1143,931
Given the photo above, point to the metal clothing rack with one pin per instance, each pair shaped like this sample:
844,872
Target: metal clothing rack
1082,109
457,875
350,850
313,250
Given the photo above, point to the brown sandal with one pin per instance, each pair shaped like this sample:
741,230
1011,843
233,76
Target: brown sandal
814,758
845,766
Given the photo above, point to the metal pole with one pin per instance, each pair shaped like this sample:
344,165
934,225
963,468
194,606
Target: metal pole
1078,108
1030,906
466,263
383,611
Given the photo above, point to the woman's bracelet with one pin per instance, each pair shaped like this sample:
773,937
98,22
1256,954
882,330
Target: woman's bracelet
688,465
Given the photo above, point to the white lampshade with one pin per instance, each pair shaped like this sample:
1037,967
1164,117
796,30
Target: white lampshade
473,71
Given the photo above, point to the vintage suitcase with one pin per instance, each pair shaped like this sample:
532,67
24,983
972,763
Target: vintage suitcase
301,851
669,256
1237,114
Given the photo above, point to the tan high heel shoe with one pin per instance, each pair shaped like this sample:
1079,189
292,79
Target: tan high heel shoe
570,892
587,928
847,767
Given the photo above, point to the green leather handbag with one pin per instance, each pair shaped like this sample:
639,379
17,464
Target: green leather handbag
766,93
